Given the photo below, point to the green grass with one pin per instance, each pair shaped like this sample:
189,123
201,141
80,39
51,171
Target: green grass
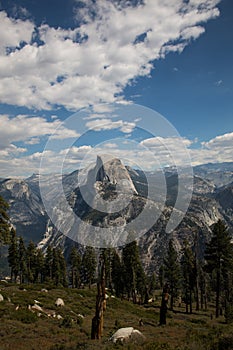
23,330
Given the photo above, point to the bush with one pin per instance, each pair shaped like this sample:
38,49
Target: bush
225,343
25,316
67,322
229,313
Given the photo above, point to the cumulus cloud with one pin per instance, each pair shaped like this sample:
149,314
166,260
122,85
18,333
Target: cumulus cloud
147,155
23,128
108,124
113,44
218,149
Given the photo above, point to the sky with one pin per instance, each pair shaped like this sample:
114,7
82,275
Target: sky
148,81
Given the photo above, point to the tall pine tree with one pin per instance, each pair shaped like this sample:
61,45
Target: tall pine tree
219,261
189,276
134,277
89,266
172,271
13,256
75,267
4,222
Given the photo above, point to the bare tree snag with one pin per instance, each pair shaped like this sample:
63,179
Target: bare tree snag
98,319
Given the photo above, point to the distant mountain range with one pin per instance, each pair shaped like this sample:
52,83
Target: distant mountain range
212,199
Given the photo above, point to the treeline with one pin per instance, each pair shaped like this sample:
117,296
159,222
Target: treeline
28,264
124,275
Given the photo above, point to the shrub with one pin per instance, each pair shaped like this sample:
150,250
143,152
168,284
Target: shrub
67,322
225,343
229,313
25,316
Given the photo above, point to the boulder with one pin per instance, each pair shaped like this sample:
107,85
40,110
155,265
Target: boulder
36,307
127,334
59,302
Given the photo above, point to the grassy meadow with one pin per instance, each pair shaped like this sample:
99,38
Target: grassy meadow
21,329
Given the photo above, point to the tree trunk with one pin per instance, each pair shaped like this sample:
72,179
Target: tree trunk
217,295
98,319
190,302
163,308
197,296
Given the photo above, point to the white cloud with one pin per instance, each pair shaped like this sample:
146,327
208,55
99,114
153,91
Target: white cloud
14,32
23,128
147,155
94,62
108,124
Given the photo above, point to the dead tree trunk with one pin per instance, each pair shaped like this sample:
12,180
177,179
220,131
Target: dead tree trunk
98,319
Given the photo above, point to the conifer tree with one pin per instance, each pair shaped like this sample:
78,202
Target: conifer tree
62,268
117,274
219,261
89,265
22,260
13,256
31,262
4,223
107,256
172,271
134,277
189,276
75,267
48,264
161,275
39,266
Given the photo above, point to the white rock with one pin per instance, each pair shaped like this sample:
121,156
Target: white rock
36,308
59,317
1,297
59,302
44,290
125,334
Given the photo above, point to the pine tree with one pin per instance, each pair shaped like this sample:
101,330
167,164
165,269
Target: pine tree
22,260
39,266
161,275
117,274
172,271
219,261
62,268
31,262
4,223
134,277
89,265
189,275
75,267
48,264
107,256
13,256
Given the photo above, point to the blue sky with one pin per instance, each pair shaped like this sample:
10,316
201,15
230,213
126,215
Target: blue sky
58,57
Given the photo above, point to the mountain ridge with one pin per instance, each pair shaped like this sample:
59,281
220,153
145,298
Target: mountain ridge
212,200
